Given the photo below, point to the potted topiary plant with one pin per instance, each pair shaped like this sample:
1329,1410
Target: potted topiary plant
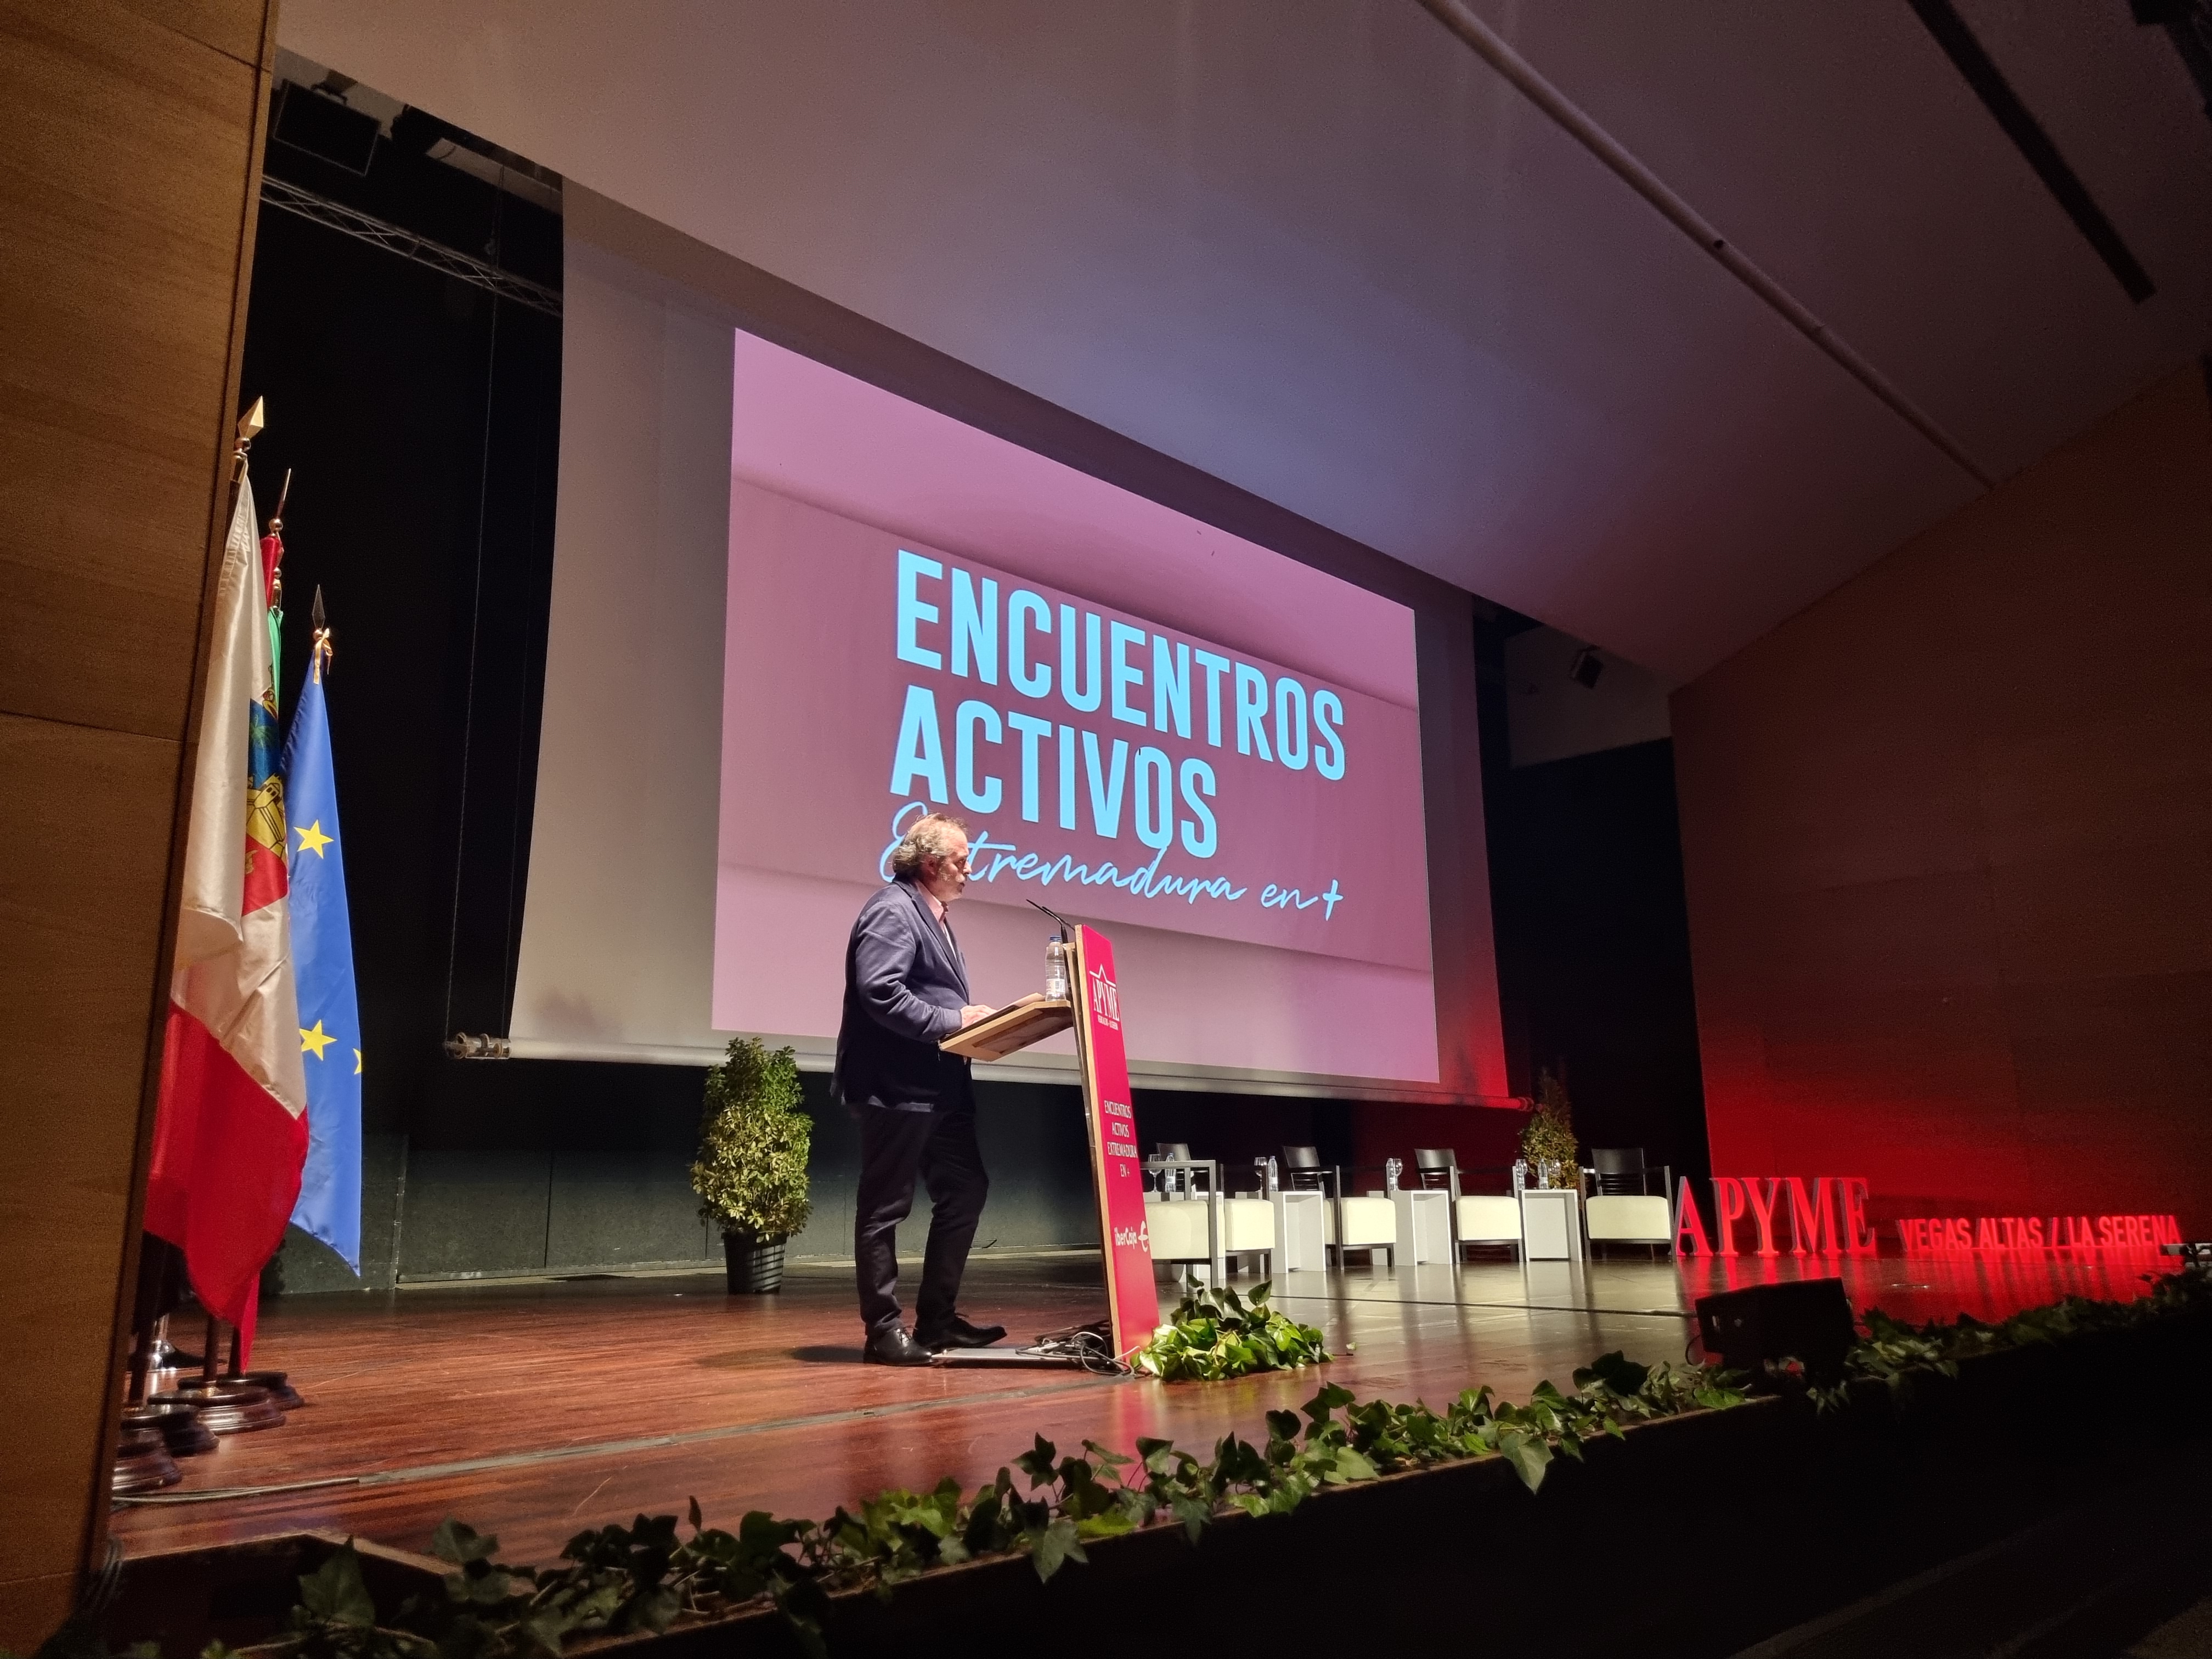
1548,1143
750,1175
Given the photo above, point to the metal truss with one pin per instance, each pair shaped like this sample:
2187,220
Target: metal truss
362,227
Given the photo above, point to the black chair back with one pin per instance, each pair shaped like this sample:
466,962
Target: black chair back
1618,1168
1433,1166
1301,1167
1173,1149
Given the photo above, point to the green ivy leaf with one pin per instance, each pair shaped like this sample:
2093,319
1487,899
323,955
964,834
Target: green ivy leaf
1616,1371
1112,1460
545,1629
1332,1397
1194,1513
1053,1546
652,1609
1037,1463
1529,1455
1345,1464
334,1592
461,1544
1106,1523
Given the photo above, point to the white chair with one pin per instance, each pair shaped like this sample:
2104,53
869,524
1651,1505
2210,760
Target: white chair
1367,1221
1621,1208
1489,1219
1477,1218
1180,1230
1248,1229
1184,1220
1189,1218
1629,1218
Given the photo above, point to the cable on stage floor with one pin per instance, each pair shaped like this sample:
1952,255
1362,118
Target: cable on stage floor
1089,1347
213,1493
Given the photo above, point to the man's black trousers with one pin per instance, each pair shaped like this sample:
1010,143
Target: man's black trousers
939,1146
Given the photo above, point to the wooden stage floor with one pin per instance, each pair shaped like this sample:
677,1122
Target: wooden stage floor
535,1410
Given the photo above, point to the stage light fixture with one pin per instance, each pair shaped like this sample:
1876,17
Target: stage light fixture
317,121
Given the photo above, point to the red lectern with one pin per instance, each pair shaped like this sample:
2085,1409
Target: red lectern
1094,1009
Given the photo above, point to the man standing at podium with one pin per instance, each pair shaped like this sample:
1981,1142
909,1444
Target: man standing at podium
906,989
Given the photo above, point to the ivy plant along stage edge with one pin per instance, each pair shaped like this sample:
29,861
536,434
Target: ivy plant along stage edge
645,1576
750,1173
624,1580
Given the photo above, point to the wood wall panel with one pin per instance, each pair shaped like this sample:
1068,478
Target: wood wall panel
237,31
75,984
124,148
1948,840
129,137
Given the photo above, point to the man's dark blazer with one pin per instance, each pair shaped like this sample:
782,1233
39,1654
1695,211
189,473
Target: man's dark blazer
905,984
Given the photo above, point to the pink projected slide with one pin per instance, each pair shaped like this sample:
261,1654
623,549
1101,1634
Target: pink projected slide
1146,723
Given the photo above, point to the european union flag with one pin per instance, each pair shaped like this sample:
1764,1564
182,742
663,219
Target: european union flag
322,962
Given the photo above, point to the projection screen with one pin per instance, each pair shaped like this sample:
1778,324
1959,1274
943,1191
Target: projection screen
792,609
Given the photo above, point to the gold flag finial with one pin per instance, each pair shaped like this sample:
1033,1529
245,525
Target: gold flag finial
322,651
250,426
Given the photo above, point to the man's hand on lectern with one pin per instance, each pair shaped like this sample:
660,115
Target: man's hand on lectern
973,1011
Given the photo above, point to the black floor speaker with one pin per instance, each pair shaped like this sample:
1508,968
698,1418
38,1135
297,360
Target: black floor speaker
1808,1319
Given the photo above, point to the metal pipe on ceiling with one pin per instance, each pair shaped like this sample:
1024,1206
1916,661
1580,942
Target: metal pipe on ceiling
1571,118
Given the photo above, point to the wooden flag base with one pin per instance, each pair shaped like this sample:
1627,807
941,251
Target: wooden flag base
224,1407
142,1463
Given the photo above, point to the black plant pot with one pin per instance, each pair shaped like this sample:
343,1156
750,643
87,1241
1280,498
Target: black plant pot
756,1265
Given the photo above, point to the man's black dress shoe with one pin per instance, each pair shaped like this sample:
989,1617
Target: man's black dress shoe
895,1347
957,1333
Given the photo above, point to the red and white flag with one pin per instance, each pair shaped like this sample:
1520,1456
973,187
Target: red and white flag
231,1130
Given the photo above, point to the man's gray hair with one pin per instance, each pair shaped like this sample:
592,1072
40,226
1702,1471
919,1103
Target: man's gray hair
929,836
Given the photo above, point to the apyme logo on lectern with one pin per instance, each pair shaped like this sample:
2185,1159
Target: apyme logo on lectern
1105,1000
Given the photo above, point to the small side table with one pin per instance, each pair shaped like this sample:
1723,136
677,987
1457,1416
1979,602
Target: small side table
1550,1224
1301,1230
1424,1225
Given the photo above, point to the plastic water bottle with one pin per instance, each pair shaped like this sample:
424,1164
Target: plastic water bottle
1055,969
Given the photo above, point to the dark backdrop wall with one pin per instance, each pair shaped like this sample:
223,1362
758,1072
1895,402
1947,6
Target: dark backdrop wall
1593,931
417,415
418,410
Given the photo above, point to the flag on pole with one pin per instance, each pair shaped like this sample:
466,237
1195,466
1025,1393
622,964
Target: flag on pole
230,1129
322,956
